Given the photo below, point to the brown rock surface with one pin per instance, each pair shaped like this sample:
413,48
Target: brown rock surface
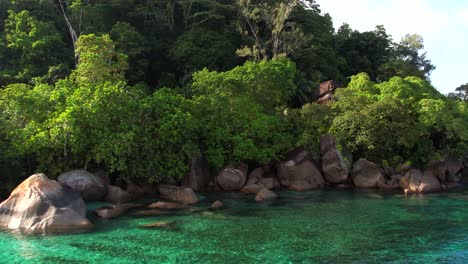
232,177
255,176
366,174
300,176
167,205
178,194
114,211
265,195
39,204
116,195
199,175
415,181
252,189
217,205
334,166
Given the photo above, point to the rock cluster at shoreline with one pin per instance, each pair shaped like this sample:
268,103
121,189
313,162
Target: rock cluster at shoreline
42,205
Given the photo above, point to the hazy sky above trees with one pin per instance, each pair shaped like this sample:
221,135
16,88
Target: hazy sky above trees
443,25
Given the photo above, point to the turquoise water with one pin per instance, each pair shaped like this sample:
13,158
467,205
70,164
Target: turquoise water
328,226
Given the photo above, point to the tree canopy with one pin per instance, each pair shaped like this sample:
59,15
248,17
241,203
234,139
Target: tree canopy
138,88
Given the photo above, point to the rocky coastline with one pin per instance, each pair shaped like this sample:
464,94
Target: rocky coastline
41,205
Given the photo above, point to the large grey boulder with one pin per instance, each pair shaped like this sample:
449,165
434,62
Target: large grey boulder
41,205
199,175
334,167
299,172
178,194
366,174
232,177
415,181
90,186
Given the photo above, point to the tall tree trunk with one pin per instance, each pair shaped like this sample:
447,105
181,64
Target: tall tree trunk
71,30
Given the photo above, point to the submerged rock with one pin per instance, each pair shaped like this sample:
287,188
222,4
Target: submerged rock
366,174
90,186
167,205
39,204
265,195
232,177
178,194
415,181
217,205
159,224
114,211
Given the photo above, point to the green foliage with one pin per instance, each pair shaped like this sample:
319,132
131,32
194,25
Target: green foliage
164,139
237,111
133,44
309,123
270,83
110,111
27,47
198,49
362,52
398,120
461,93
238,129
269,29
99,62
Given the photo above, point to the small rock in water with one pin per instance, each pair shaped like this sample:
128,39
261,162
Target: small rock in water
265,195
167,205
217,205
374,195
114,211
159,224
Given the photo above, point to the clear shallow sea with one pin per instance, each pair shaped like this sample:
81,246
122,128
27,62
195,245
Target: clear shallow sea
326,226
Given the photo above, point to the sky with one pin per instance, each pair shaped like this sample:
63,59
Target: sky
442,23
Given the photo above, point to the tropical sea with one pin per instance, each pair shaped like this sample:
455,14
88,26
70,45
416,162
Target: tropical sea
324,226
